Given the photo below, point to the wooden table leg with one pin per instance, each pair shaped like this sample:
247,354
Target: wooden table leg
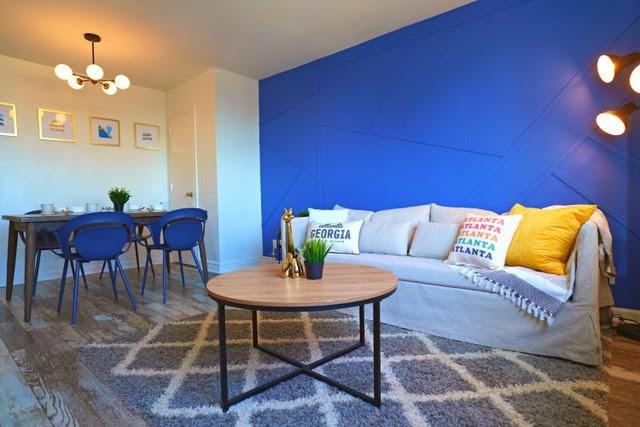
29,266
203,260
11,258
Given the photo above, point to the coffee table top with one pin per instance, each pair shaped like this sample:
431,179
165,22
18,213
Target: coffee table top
263,287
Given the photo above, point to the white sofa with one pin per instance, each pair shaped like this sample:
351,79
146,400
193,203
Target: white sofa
435,299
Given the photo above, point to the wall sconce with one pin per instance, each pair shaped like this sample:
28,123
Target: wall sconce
614,122
609,66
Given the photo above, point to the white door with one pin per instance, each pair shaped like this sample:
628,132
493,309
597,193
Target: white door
182,166
182,160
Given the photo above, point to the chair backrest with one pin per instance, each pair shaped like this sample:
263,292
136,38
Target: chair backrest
180,229
96,236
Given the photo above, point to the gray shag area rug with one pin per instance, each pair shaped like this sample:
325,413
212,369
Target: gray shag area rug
169,376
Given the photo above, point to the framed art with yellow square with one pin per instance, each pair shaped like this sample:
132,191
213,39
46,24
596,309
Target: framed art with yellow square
146,136
104,131
56,125
8,124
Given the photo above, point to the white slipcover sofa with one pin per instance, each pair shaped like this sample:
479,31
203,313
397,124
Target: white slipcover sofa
436,299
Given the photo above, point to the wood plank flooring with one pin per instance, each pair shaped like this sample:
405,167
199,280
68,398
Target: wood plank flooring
41,382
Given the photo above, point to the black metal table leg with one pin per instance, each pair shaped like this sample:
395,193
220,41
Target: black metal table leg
302,368
376,354
222,345
254,327
362,324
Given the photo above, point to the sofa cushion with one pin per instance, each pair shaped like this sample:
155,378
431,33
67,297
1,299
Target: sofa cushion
426,271
434,239
411,269
355,214
327,216
413,214
454,215
386,238
343,237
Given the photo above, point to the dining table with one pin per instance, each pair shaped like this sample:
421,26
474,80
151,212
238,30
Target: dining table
32,224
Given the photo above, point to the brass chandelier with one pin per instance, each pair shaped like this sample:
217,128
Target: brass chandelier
94,74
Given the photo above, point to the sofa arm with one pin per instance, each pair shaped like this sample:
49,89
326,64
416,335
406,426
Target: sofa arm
299,229
587,274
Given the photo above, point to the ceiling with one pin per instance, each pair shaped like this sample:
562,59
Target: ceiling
160,43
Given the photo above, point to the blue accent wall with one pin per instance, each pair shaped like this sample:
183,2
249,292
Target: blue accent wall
486,105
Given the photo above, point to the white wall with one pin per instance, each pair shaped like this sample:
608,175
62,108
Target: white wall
33,171
228,163
238,164
197,94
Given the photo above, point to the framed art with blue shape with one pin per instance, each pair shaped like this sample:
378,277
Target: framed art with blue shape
8,125
146,136
104,131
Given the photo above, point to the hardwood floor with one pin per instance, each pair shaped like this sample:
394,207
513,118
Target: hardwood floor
42,383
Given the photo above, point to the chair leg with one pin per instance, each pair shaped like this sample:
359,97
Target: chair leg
195,259
135,245
144,275
35,273
165,273
74,301
123,275
104,265
181,267
63,283
112,274
84,279
153,270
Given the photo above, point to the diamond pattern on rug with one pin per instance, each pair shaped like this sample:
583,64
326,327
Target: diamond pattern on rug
169,376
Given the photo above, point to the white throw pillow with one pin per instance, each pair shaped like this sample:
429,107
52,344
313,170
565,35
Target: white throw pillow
326,216
483,241
343,237
355,214
434,240
386,237
413,214
454,215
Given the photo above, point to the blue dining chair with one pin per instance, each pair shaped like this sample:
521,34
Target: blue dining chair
101,236
176,231
136,241
45,240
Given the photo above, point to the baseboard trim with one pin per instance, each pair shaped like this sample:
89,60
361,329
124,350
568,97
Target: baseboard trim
225,267
627,313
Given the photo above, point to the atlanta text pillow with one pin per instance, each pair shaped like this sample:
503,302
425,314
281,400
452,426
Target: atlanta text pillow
483,240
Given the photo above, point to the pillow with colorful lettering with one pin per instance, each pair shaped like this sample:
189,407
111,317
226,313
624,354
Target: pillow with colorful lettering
342,236
483,241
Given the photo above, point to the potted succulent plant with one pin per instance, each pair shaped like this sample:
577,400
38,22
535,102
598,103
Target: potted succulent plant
314,252
119,196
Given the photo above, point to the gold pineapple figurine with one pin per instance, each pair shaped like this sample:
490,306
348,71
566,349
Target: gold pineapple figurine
291,265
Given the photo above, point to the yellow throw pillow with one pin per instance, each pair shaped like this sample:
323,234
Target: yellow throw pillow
545,237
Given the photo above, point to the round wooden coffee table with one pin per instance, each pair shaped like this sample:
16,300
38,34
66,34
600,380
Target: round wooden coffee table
263,289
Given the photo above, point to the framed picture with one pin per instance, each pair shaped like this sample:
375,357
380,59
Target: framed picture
57,125
146,136
8,126
103,131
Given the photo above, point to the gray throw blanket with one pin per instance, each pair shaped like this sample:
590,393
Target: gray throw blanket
541,305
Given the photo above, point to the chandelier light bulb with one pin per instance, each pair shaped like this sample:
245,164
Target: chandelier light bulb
634,79
611,123
63,71
109,88
606,68
122,82
75,82
95,72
